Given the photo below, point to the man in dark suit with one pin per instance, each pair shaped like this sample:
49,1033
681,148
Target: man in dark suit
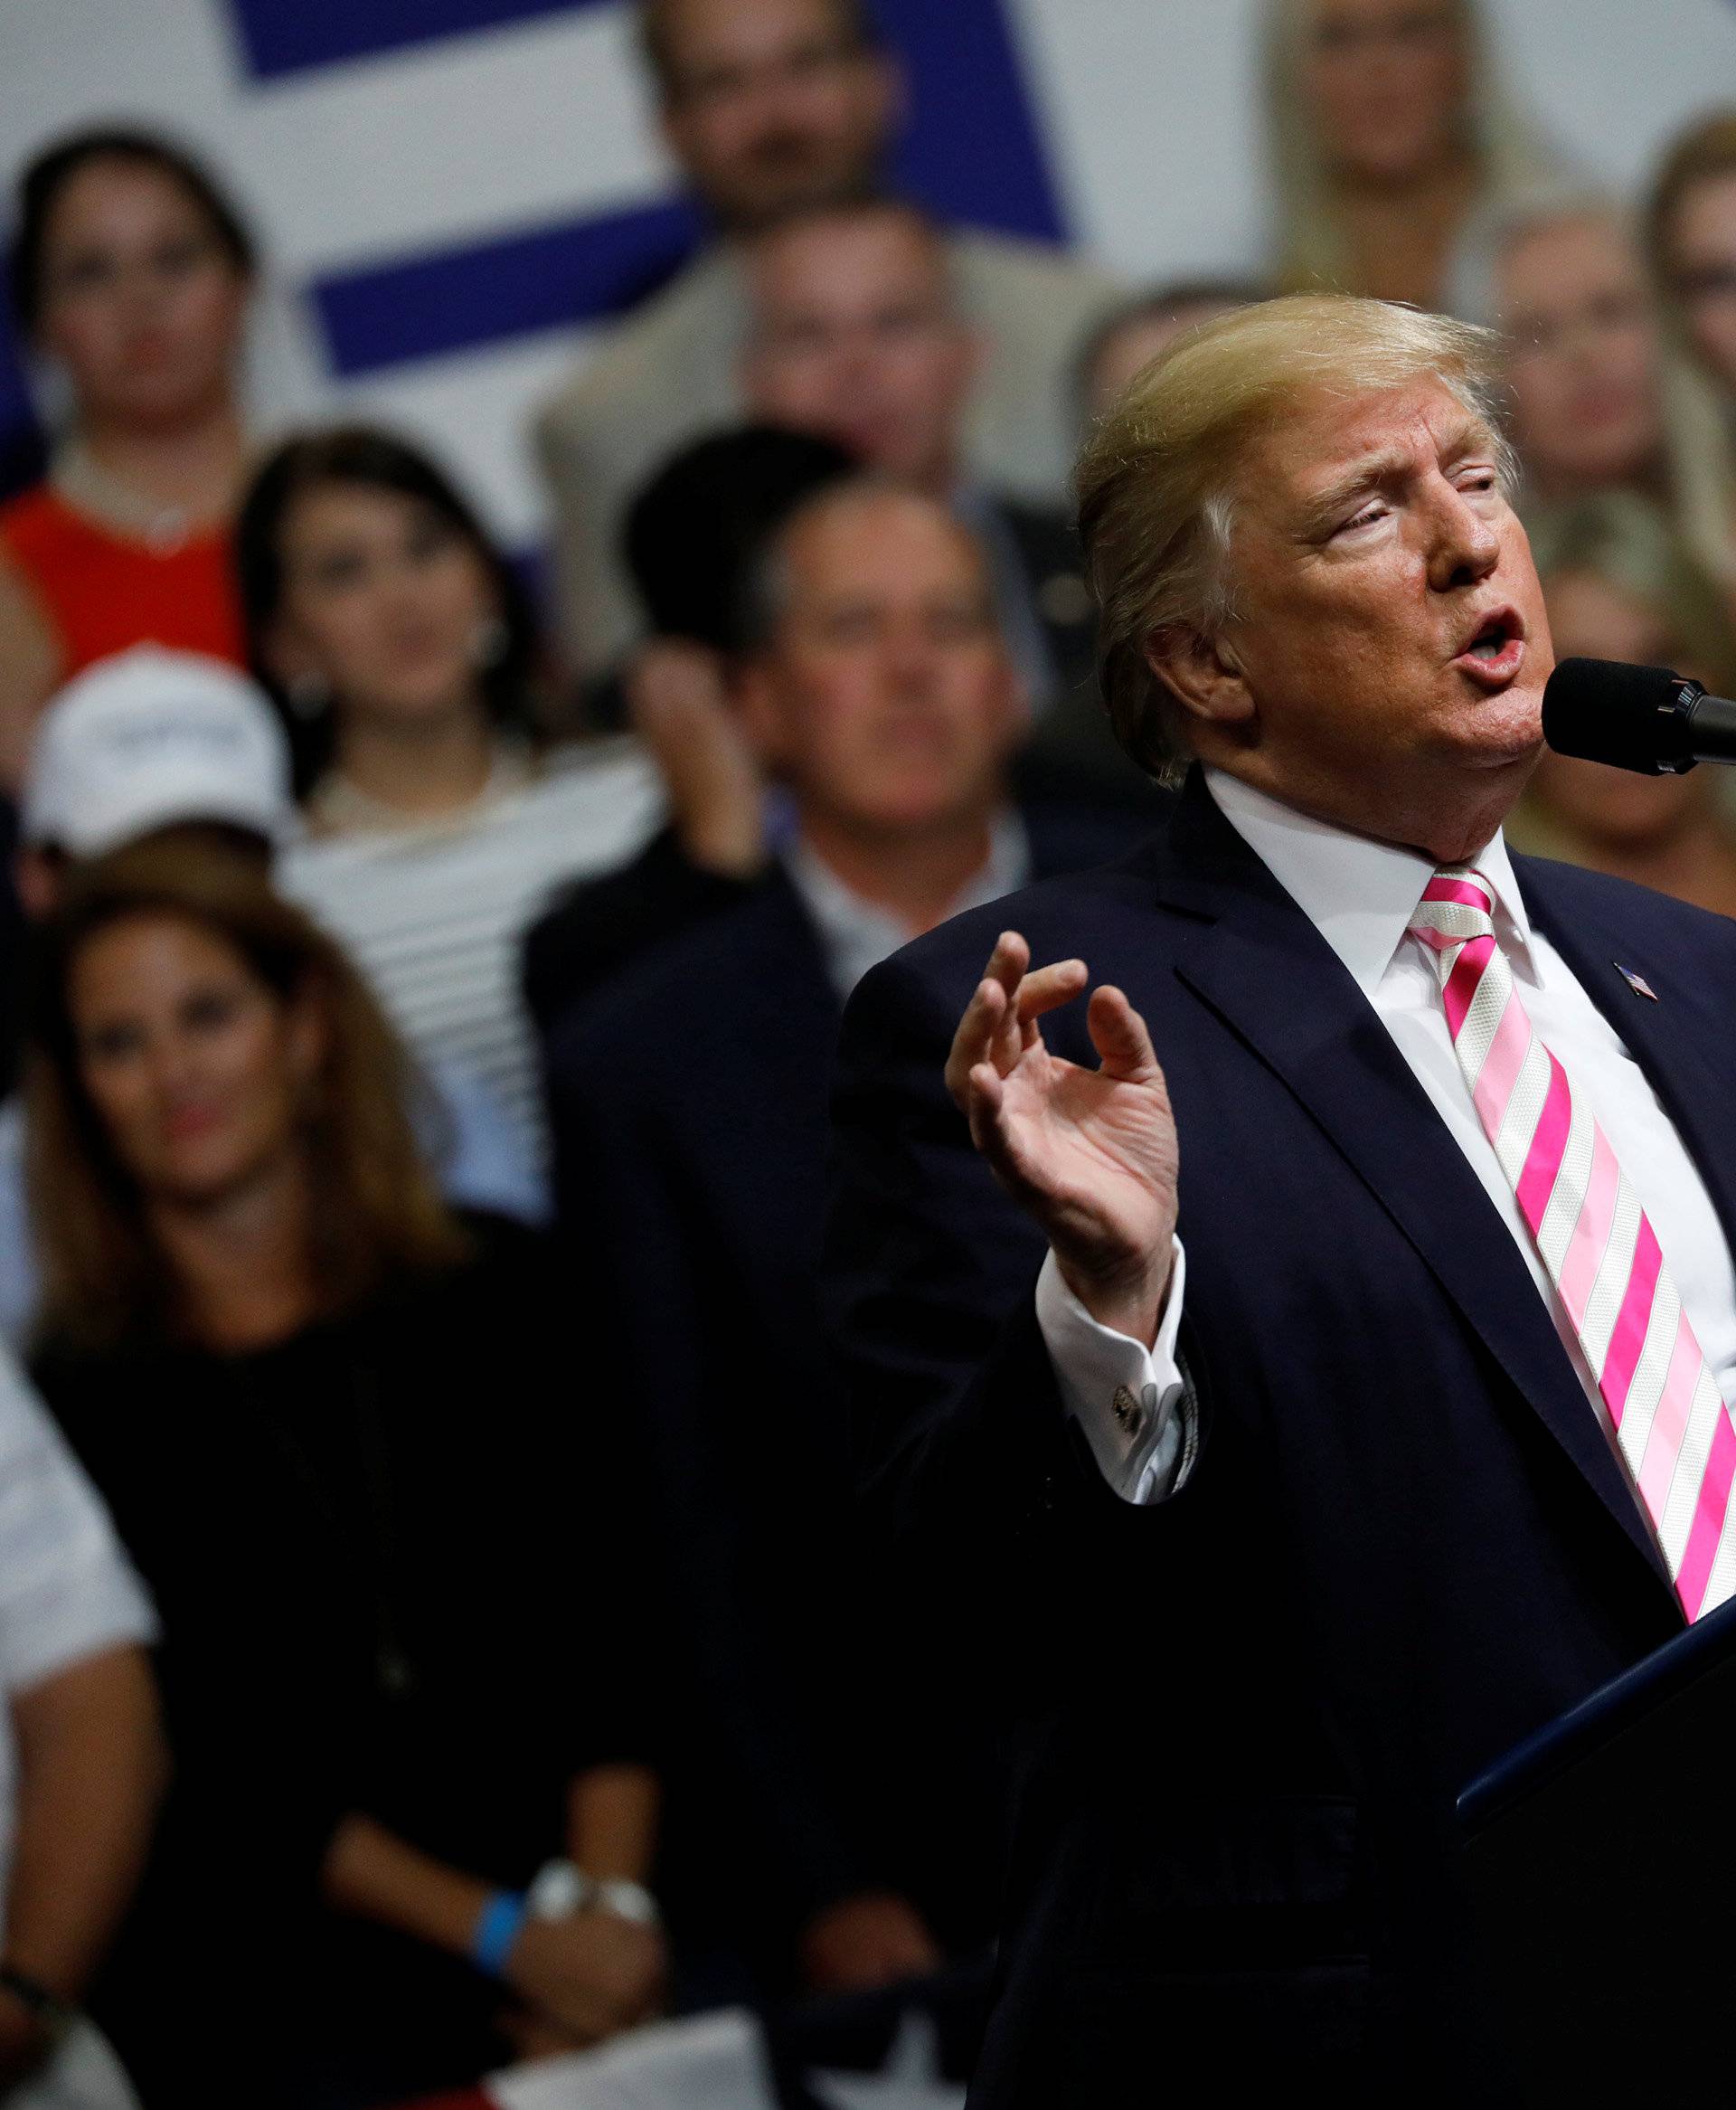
876,688
1311,1465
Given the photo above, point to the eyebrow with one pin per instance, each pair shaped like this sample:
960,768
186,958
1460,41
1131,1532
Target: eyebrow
1375,472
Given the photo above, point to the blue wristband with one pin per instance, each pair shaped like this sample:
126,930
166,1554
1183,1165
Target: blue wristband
497,1926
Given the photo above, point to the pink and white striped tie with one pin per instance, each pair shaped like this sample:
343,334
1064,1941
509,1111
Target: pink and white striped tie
1595,1244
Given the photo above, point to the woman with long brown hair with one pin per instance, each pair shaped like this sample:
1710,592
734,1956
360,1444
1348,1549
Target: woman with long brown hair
321,1409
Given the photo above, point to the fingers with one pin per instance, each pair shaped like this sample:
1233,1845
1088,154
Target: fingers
986,1018
974,1041
1119,1037
999,1021
1048,989
984,1107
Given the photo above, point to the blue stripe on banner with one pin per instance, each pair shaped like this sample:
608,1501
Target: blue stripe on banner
23,451
973,151
973,154
544,279
288,36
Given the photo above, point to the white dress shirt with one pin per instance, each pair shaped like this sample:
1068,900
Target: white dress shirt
1359,896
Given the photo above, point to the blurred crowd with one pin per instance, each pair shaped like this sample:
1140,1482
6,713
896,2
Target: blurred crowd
432,1623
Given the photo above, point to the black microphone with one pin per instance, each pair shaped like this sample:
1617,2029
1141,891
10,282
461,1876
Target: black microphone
1643,718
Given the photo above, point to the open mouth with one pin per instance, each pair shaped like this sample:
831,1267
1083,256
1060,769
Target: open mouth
1497,649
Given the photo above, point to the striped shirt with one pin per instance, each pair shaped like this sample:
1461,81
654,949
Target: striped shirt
434,916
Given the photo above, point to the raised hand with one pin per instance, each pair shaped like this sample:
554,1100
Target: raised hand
678,703
590,1974
1091,1154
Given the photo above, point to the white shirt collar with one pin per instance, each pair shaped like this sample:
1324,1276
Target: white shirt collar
1360,894
856,935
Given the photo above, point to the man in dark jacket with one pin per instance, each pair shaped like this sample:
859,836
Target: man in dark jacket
877,689
1297,1481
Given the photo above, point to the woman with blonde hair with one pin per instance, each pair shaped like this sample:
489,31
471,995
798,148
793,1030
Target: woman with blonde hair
1690,242
1619,584
1601,385
1388,131
322,1413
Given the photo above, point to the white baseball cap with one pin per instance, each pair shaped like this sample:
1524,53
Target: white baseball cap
149,738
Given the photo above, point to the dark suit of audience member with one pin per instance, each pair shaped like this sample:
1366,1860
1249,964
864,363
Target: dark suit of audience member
881,695
700,1213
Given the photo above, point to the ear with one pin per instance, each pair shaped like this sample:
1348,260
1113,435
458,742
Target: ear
1204,675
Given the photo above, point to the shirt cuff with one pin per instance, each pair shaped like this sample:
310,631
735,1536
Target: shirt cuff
1132,1402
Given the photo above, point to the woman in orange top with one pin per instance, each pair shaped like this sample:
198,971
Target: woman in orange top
132,272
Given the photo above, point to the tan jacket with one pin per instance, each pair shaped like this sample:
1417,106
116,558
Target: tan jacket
668,375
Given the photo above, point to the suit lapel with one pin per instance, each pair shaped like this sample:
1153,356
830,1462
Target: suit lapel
1264,968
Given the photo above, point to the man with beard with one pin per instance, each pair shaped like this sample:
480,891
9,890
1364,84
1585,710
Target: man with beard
769,105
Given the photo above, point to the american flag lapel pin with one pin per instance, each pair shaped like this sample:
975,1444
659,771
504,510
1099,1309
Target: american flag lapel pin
1636,982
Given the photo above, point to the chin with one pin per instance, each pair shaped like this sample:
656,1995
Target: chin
1507,729
912,813
197,1187
426,699
160,403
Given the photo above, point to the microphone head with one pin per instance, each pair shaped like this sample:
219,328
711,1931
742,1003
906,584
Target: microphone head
1632,717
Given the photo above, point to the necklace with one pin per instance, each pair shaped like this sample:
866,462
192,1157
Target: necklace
162,528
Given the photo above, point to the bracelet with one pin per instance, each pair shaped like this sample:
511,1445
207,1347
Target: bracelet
561,1888
558,1890
498,1924
626,1900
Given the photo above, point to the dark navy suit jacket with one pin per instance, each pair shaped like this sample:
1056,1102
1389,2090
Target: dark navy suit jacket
1242,1716
688,1100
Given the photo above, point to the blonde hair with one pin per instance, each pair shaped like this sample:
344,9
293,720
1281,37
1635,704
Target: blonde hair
376,1212
1699,413
1311,244
1625,540
1698,460
1473,288
1155,480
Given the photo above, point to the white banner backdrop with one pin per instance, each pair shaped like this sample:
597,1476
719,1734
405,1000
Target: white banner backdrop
1148,110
